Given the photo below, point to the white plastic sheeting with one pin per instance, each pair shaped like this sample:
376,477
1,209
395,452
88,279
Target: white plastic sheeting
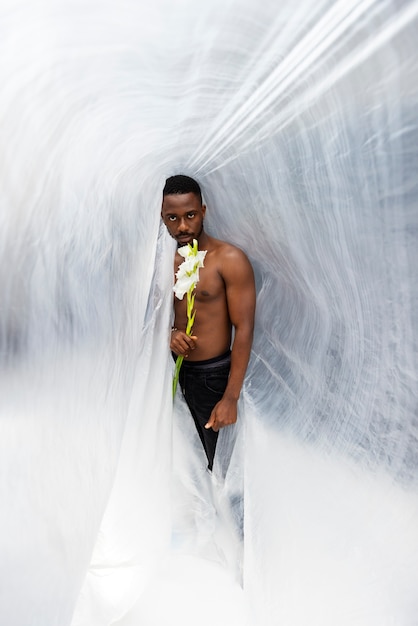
300,121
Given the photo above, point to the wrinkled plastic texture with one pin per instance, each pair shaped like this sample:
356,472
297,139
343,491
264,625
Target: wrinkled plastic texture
300,121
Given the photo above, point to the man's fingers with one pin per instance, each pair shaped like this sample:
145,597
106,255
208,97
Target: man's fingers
190,344
191,341
210,423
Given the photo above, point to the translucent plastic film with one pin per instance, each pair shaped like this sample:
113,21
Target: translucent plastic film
299,119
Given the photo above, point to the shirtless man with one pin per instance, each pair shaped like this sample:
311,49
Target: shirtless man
212,372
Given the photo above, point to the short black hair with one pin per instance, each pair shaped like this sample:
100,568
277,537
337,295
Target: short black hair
179,184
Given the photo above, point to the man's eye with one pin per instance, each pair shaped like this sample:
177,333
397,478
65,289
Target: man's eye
171,218
191,215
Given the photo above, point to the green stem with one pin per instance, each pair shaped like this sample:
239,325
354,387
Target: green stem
189,327
179,361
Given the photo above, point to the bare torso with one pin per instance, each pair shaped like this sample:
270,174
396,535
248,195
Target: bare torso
212,325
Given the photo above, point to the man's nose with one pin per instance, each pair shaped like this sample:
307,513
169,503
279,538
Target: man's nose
182,226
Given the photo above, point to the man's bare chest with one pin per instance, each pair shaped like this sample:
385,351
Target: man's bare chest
210,286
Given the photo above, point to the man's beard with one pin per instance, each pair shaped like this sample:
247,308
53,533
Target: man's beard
180,244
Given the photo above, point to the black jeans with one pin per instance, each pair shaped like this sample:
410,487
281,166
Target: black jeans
203,384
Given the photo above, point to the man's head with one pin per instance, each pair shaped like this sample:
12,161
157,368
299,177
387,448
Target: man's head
181,184
182,210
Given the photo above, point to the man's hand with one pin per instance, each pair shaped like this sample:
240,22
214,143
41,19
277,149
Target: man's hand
223,414
181,344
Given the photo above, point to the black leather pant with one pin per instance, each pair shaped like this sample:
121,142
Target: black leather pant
203,384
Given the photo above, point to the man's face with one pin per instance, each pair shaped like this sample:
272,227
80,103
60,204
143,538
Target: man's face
183,215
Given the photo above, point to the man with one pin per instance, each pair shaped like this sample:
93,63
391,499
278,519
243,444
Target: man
212,372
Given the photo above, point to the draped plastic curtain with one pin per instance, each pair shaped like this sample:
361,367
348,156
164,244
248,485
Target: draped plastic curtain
300,121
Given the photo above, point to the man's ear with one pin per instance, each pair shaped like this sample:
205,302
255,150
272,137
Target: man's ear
203,209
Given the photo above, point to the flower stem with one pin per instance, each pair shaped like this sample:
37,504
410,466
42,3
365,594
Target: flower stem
190,320
179,361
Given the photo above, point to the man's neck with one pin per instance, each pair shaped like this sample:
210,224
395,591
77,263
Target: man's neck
203,241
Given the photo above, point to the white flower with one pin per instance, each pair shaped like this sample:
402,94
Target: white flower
188,272
189,266
187,277
183,285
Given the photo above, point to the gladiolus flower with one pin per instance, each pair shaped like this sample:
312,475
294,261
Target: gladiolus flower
187,277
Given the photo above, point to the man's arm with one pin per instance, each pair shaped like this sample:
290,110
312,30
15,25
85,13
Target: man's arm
238,276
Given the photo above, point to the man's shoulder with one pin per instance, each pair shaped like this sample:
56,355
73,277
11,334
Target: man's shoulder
229,260
225,249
